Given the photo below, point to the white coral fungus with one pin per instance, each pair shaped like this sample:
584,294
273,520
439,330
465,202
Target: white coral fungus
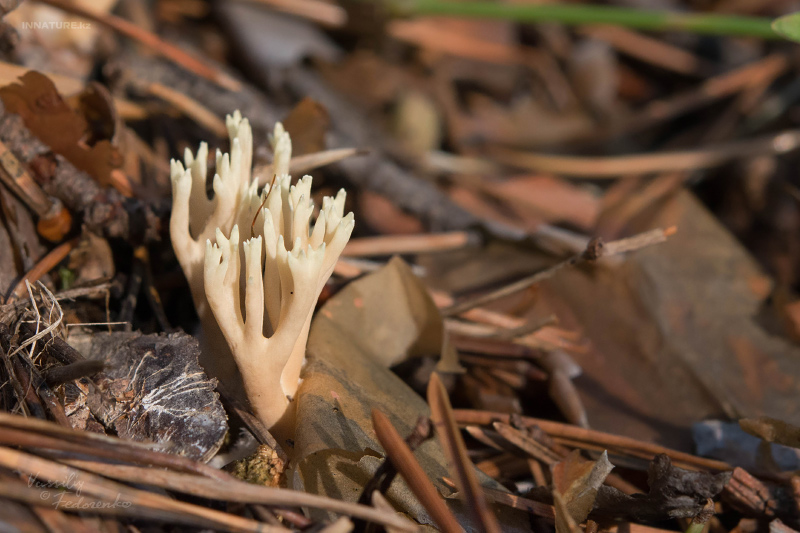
267,336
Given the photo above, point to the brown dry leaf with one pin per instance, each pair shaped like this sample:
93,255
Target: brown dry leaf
772,430
345,377
307,124
48,116
576,481
692,303
564,522
410,326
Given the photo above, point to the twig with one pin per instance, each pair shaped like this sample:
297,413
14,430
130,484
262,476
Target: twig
305,163
516,502
46,435
385,474
594,250
33,402
527,444
591,253
57,375
55,220
710,90
639,241
495,347
509,334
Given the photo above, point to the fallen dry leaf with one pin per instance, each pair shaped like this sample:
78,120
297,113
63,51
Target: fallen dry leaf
576,482
45,112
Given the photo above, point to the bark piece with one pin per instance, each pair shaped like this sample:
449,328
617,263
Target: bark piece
154,390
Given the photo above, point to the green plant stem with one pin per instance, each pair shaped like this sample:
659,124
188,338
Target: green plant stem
578,14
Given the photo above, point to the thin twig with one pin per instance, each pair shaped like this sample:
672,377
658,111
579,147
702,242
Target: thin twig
593,251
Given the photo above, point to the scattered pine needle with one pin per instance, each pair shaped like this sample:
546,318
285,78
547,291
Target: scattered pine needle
456,452
636,165
45,265
403,460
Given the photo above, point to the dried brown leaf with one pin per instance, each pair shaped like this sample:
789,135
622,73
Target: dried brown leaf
576,481
44,111
307,124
